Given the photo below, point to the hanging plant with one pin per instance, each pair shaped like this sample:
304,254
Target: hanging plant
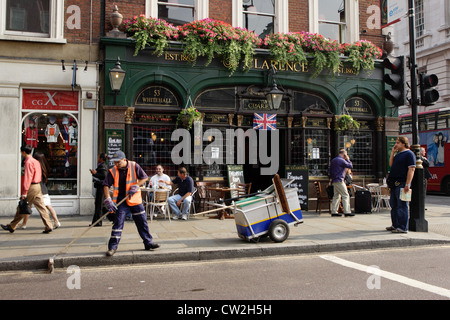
187,116
346,122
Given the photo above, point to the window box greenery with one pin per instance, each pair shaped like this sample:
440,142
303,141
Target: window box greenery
236,46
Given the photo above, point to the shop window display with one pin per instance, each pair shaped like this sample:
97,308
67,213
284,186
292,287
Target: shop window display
56,136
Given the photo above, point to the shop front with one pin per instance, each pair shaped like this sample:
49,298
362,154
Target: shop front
303,131
56,120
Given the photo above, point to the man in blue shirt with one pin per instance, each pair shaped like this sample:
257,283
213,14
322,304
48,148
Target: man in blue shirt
336,172
403,165
184,195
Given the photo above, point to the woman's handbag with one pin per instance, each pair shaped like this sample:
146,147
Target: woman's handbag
24,208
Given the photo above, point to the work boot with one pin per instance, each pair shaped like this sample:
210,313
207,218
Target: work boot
110,252
151,246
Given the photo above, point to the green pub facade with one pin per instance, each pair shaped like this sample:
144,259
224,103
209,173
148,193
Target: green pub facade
157,88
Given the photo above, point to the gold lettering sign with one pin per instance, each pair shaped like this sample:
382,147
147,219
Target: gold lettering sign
156,96
358,107
263,64
259,105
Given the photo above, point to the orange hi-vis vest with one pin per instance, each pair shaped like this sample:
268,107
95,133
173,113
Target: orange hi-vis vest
130,180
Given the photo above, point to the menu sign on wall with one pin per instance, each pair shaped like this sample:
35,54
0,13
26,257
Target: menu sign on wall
114,139
301,179
235,176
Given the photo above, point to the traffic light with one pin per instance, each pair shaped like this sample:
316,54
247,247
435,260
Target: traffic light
396,79
428,95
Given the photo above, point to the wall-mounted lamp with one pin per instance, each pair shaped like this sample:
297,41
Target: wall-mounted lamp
116,77
274,96
74,73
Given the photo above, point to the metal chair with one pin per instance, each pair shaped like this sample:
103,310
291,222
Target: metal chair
192,202
159,200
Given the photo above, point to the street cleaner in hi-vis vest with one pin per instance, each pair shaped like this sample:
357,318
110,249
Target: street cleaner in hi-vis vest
126,177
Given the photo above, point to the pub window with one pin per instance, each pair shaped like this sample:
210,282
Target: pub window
214,149
177,12
152,146
316,142
55,135
311,147
217,98
359,148
259,16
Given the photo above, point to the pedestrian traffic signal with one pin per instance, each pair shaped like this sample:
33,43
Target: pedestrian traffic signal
396,79
428,95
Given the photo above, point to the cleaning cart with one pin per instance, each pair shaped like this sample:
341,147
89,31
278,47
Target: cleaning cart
269,213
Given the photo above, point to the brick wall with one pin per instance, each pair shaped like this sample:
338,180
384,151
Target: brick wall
366,22
218,9
298,15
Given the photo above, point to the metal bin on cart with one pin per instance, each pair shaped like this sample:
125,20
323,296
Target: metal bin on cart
262,215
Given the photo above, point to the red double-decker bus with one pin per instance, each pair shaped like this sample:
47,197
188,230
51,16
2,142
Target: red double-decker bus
434,136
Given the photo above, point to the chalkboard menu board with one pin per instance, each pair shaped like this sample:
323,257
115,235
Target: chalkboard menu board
114,140
300,174
235,176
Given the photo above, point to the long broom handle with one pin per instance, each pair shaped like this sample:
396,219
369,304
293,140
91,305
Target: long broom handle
90,227
232,206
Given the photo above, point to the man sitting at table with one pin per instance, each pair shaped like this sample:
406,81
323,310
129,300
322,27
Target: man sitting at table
184,195
155,181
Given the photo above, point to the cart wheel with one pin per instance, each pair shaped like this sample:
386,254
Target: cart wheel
278,230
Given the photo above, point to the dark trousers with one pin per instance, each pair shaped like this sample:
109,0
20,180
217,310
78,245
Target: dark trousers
140,220
99,194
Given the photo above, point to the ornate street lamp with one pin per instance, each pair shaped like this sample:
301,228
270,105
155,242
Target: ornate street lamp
274,96
116,77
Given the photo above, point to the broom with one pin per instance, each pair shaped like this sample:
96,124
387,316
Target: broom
51,261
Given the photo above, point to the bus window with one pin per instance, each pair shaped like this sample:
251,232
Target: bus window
443,120
427,122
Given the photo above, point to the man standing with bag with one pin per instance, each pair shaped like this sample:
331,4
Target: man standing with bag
338,168
403,165
31,191
126,177
98,175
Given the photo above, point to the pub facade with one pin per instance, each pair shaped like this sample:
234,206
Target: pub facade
157,88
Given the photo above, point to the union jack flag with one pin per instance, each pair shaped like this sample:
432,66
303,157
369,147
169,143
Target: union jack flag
264,121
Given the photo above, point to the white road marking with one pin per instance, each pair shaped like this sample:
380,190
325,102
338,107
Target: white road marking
389,275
